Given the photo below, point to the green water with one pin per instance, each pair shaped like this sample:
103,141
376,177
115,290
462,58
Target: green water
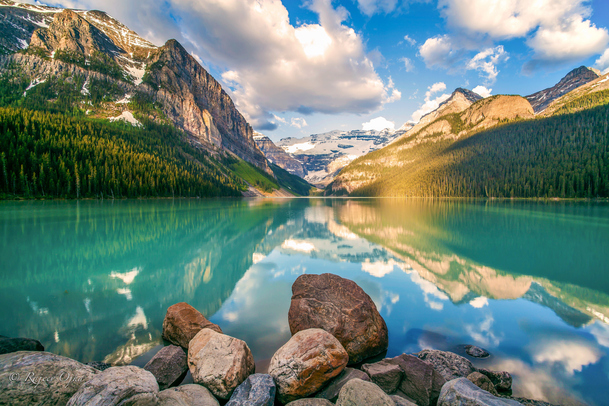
528,281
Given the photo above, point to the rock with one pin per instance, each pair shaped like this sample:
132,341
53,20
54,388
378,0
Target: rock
532,402
8,345
421,382
100,366
117,385
461,392
256,390
169,366
476,352
332,389
219,362
182,322
343,309
310,402
29,378
400,401
448,364
187,395
385,375
361,393
502,380
483,382
306,363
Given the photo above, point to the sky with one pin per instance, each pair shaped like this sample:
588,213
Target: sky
301,67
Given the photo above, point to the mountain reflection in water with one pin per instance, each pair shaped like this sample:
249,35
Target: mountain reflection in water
528,281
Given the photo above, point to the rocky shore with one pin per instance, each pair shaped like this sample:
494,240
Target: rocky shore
336,329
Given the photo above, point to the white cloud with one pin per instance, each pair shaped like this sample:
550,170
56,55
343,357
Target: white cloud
270,65
408,64
479,302
572,354
378,124
411,41
298,245
279,119
431,293
371,7
556,30
482,91
483,332
440,52
431,104
299,122
486,62
602,63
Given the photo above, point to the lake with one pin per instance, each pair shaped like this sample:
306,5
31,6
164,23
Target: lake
528,281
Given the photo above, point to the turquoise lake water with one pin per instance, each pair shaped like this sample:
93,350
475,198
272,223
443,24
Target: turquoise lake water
528,281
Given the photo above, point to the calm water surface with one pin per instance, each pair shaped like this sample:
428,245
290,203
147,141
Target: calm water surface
527,281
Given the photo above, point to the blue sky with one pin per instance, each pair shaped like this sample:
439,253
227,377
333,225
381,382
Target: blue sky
299,67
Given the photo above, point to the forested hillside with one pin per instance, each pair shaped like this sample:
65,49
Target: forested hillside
566,155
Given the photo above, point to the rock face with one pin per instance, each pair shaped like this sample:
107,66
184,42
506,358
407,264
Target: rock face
182,322
219,362
421,383
385,375
332,389
306,363
361,393
169,366
340,307
117,386
100,366
502,380
448,364
574,79
187,395
256,390
492,110
461,392
278,156
30,378
476,352
19,344
483,382
311,402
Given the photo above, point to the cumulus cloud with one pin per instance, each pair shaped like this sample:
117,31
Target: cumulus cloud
408,64
431,104
482,91
486,62
440,52
602,63
572,354
371,7
269,64
556,30
299,122
411,41
378,124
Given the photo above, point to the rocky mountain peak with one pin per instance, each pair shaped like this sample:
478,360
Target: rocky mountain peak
574,79
468,94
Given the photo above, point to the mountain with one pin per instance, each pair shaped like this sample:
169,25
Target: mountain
589,95
278,156
90,67
324,155
494,149
574,79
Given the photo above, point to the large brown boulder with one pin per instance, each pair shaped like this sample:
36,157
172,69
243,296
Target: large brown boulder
169,366
449,365
421,383
219,362
306,363
340,307
182,322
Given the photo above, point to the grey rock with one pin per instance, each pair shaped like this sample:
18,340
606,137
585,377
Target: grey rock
100,366
501,379
483,382
476,352
385,375
400,401
448,364
332,389
187,395
532,402
461,392
256,390
118,385
361,393
169,366
311,402
421,383
29,378
8,345
219,362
